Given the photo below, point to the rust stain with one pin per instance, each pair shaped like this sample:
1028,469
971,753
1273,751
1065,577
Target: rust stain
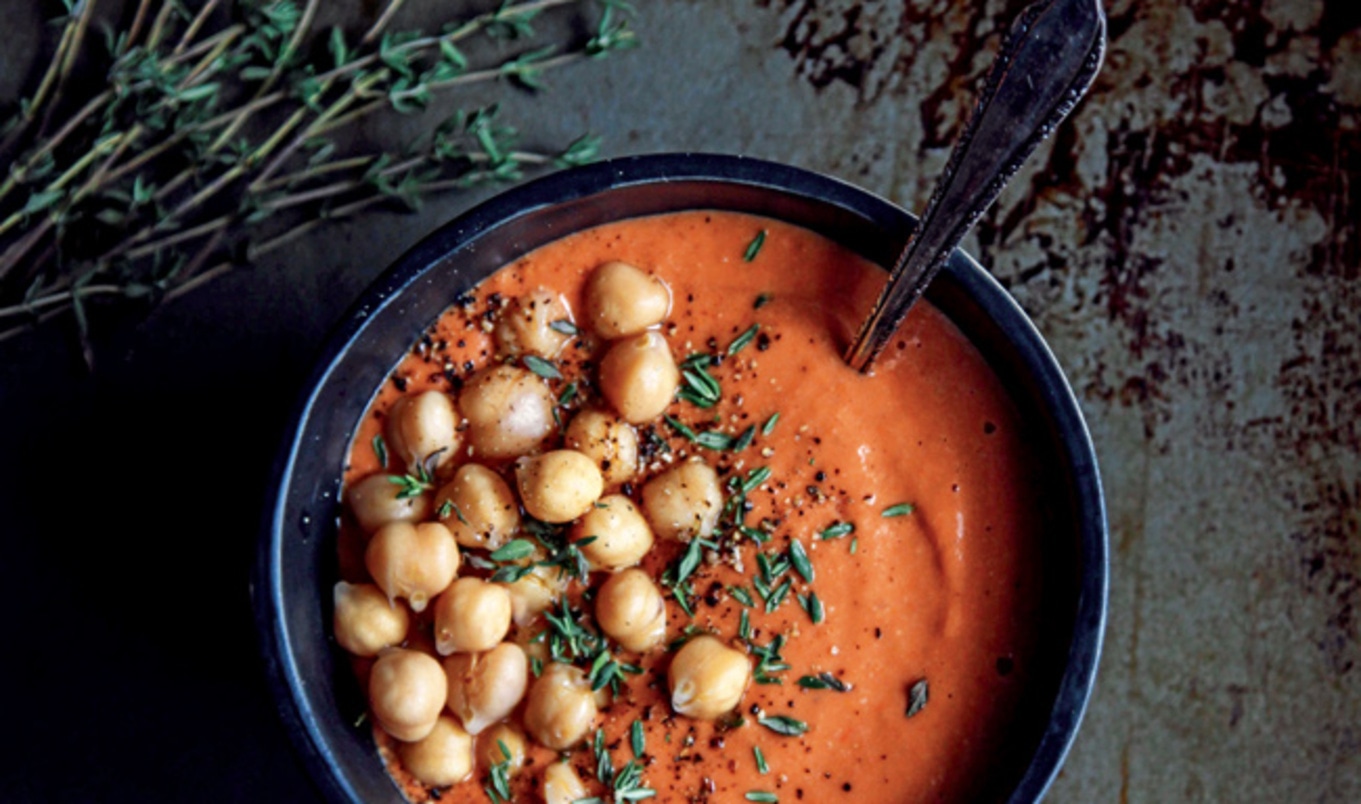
1189,90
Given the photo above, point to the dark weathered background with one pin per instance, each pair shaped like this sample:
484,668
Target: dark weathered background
1187,243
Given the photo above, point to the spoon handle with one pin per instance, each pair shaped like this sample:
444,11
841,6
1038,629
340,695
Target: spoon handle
1046,65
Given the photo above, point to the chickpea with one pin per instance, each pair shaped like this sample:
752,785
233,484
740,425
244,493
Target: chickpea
415,562
607,440
707,678
375,501
623,300
478,507
422,430
684,501
535,592
407,691
622,536
524,326
509,411
489,747
630,609
561,707
443,757
639,377
471,616
559,486
366,622
561,785
486,687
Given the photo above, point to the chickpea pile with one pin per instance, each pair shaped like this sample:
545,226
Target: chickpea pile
460,674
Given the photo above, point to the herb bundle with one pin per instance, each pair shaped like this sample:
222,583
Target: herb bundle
211,139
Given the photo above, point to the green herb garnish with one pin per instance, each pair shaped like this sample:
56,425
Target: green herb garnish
714,440
413,485
742,341
564,327
761,795
917,696
604,766
680,427
380,449
755,478
754,247
514,550
770,423
901,509
761,766
541,367
837,530
637,739
744,440
824,681
699,388
778,594
783,724
568,394
628,783
798,557
813,606
499,777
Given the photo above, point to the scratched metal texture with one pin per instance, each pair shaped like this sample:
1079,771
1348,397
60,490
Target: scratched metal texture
1187,243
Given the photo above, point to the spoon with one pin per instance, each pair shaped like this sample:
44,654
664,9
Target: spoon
1046,65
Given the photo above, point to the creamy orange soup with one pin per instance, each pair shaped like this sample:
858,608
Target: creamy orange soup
910,491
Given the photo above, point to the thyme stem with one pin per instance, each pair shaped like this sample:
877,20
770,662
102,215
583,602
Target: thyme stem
189,33
140,192
381,22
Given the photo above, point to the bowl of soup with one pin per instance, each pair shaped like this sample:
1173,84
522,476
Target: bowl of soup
886,587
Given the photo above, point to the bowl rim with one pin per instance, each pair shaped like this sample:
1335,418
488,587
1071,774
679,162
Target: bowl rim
268,592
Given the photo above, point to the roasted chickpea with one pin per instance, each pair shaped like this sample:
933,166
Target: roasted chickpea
470,616
561,785
684,501
623,300
407,691
422,430
478,507
491,741
525,325
486,687
366,621
639,377
561,707
509,411
607,440
621,535
443,757
534,592
630,609
415,562
375,501
707,678
558,486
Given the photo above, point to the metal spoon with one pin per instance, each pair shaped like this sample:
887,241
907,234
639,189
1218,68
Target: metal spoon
1049,60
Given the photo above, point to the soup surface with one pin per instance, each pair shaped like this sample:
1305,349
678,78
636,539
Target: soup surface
903,647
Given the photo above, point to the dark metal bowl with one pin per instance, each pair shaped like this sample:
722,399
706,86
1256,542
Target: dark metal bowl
316,695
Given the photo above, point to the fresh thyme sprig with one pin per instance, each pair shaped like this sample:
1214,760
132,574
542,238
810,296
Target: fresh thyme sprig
208,142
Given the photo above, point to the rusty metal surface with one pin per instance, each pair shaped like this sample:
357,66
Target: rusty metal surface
1187,243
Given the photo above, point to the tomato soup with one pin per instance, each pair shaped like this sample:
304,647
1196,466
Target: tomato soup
879,561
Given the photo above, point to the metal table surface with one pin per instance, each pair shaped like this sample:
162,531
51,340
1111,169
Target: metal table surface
1187,243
